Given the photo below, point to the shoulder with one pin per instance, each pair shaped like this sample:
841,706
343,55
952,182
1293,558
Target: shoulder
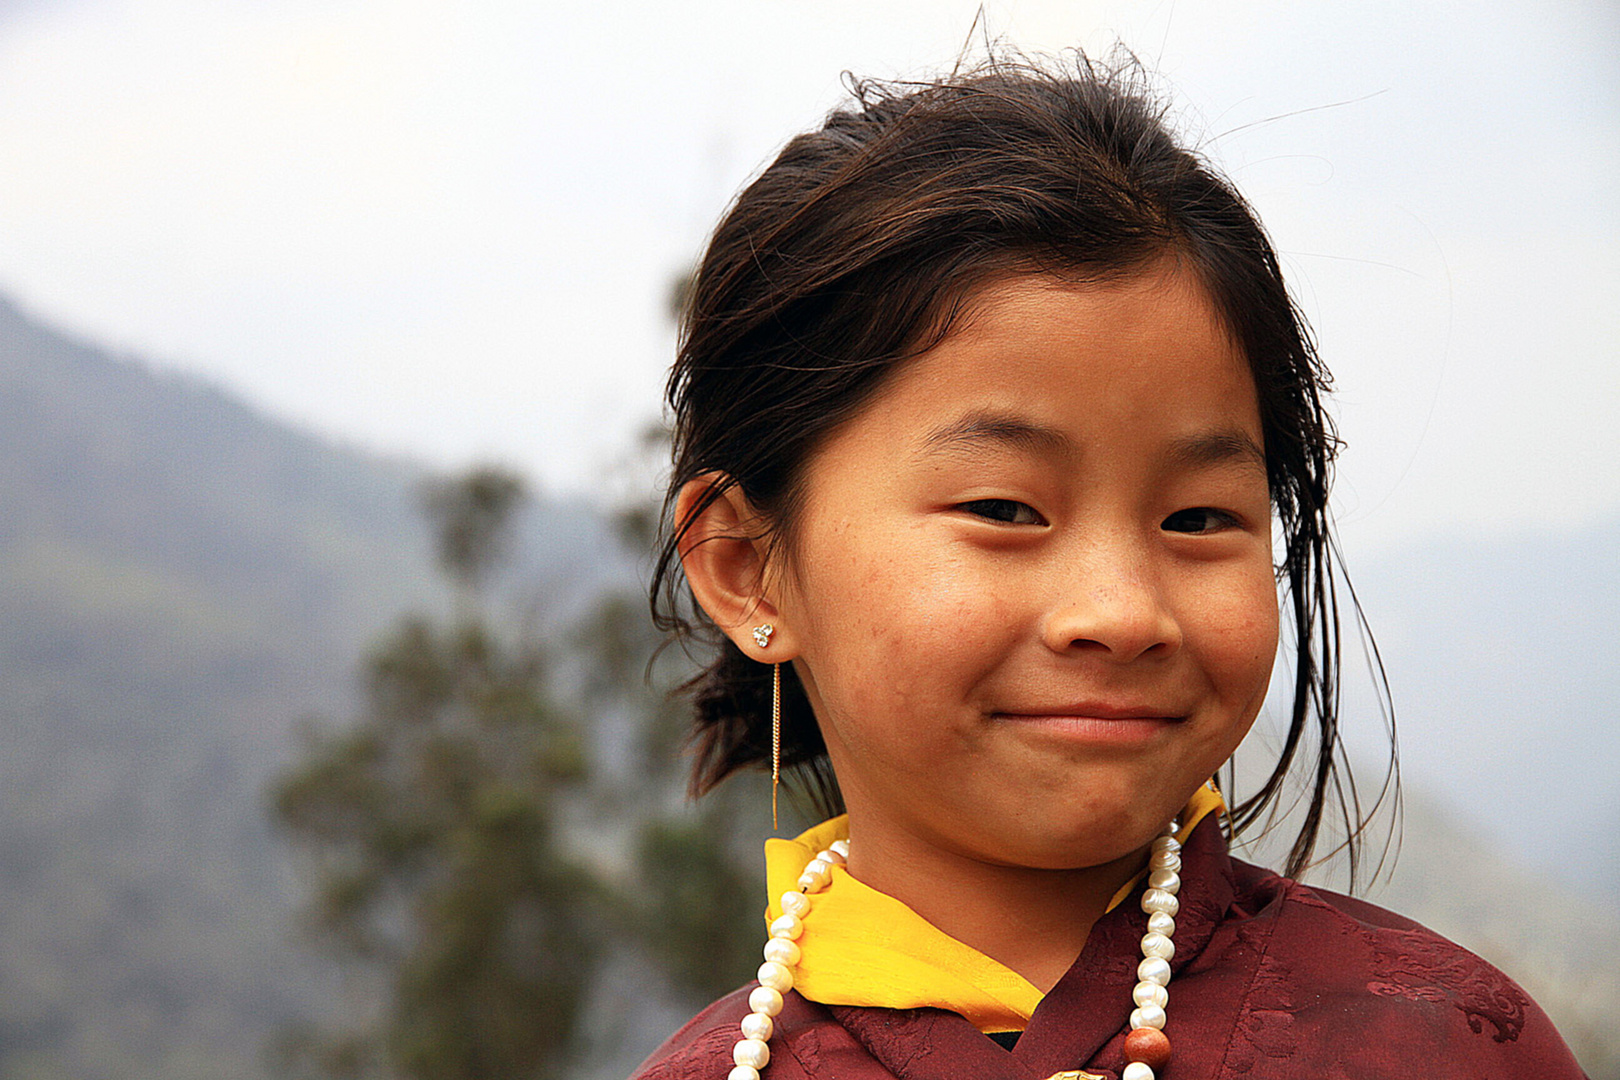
1339,964
701,1050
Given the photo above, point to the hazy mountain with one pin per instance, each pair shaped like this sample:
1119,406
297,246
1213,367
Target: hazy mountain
182,579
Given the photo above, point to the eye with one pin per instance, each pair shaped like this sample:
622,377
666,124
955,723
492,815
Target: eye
1199,519
1006,511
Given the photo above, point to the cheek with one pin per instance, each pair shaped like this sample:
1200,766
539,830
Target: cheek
1240,642
889,628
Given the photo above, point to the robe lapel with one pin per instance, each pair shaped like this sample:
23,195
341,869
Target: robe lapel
1090,1007
930,1044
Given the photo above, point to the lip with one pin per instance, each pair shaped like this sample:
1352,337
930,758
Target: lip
1094,722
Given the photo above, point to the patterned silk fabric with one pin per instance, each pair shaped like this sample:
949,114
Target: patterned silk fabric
1273,980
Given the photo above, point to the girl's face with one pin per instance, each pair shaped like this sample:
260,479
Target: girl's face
1031,587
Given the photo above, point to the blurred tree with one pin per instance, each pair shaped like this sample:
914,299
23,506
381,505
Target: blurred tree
707,907
430,823
472,518
469,931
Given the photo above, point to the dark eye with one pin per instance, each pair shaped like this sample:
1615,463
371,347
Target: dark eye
1006,511
1198,519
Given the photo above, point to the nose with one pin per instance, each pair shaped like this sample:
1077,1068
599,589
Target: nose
1115,611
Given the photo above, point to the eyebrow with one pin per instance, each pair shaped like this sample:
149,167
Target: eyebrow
1231,446
979,429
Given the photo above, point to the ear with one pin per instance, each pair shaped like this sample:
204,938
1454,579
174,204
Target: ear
723,554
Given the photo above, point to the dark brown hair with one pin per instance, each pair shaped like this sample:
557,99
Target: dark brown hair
855,250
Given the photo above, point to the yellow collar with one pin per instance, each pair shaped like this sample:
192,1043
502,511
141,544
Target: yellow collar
862,947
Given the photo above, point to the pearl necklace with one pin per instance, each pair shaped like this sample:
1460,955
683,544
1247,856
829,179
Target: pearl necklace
1146,1047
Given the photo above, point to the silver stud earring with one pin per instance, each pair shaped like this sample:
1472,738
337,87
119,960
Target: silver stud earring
762,635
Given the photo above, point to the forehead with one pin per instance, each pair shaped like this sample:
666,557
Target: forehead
1122,307
1148,348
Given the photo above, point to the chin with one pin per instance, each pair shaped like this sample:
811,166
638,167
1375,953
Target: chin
1082,845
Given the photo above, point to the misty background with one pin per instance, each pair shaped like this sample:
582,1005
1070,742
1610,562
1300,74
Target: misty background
266,266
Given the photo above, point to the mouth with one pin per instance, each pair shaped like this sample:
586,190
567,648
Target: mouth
1094,722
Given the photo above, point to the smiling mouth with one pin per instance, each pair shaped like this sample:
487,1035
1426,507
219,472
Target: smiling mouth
1094,723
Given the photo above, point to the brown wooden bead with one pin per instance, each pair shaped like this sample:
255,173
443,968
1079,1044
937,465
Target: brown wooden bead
1150,1046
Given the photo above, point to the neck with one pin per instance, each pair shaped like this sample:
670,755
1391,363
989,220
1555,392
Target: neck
1033,921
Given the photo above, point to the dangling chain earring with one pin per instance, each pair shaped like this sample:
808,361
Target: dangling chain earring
762,638
776,737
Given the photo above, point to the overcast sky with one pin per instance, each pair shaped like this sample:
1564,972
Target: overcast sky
449,230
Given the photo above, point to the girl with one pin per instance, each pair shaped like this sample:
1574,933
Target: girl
990,405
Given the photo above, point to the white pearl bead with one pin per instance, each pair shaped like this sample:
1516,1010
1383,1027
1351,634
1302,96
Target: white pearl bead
1168,880
1160,900
762,999
743,1072
751,1052
1147,1016
1158,945
840,848
795,903
1167,844
775,976
1147,993
1158,923
818,866
810,883
1136,1070
1165,860
833,855
791,926
1153,970
757,1026
783,951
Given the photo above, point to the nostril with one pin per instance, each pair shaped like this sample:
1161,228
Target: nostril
1121,622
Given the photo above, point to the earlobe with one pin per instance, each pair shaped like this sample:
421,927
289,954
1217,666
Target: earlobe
722,552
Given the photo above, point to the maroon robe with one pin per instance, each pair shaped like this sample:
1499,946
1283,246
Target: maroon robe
1272,979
